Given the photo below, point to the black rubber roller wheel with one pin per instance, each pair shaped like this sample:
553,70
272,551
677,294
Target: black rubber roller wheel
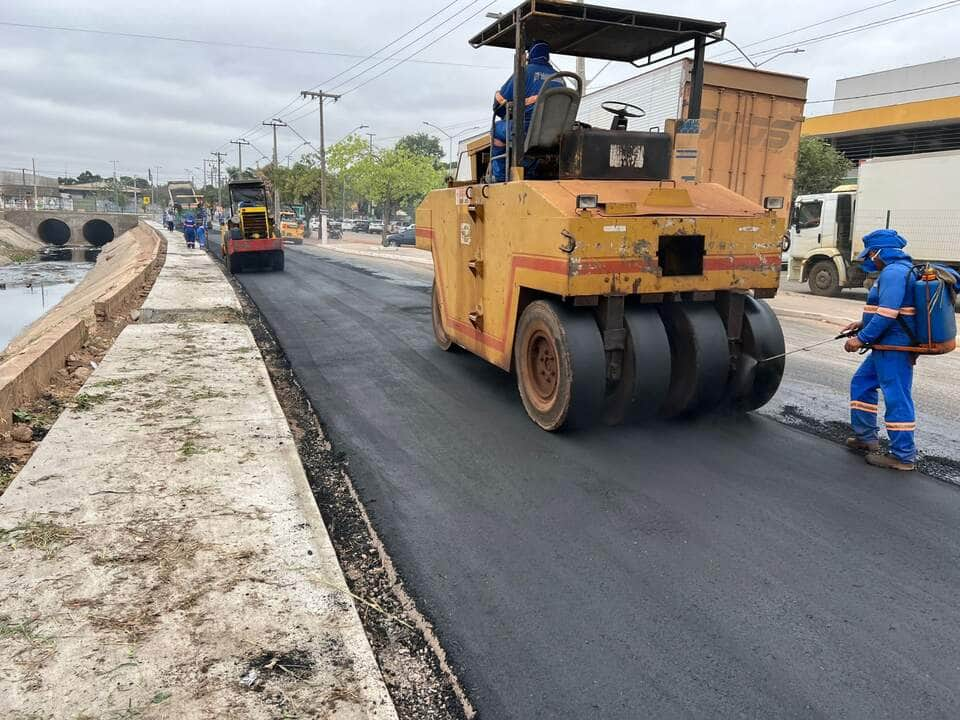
645,374
439,334
560,365
699,358
755,382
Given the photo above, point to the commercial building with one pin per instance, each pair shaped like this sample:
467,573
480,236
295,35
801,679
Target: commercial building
903,111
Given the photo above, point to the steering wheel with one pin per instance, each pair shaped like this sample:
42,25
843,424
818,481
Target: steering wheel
622,109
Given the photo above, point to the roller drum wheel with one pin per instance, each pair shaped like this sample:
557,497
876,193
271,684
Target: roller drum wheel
560,365
699,358
439,334
645,374
755,382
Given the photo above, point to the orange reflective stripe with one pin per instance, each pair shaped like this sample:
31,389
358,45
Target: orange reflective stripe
865,407
888,312
531,100
908,311
499,98
901,427
869,309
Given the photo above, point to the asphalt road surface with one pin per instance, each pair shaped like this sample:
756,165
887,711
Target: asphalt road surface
708,569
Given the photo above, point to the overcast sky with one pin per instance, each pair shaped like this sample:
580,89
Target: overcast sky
76,101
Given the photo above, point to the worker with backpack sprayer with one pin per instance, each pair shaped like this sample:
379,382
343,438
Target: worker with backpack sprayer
909,312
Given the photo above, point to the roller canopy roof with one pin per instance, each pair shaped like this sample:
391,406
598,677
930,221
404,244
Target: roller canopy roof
600,32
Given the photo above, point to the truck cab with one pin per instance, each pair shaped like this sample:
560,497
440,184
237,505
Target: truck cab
820,244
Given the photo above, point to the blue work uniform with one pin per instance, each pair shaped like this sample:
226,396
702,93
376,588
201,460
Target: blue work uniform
538,70
889,371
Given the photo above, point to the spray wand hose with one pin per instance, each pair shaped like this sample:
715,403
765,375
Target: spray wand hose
842,335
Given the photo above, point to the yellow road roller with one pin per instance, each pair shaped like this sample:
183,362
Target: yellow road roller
613,284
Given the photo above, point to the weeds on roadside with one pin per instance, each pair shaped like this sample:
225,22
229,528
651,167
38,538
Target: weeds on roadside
39,535
85,401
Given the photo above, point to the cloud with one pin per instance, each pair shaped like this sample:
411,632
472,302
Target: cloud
78,101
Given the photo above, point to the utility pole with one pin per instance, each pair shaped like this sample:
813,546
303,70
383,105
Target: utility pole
219,156
582,64
323,151
371,136
275,123
240,142
156,179
116,188
35,200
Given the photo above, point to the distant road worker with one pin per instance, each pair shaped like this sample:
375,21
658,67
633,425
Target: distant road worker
891,371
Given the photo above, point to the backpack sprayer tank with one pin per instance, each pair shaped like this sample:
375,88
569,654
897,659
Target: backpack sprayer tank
936,321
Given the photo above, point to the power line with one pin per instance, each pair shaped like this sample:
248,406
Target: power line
258,129
731,53
887,92
412,42
392,42
215,43
432,42
866,26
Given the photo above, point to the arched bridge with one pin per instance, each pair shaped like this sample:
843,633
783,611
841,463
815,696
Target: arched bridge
56,227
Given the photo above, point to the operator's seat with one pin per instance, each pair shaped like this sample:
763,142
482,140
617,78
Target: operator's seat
554,114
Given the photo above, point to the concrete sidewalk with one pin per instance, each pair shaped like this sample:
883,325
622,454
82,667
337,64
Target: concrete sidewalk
834,311
400,254
162,555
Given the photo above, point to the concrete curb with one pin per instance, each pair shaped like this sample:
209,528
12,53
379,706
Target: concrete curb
828,319
34,360
117,301
386,254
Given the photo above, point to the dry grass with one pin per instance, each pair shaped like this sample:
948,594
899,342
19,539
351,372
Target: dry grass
38,534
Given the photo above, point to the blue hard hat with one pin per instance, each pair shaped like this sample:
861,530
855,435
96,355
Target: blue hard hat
881,240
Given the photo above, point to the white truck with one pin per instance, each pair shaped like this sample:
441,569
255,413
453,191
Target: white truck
916,195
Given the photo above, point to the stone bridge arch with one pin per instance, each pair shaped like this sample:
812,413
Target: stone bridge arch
89,229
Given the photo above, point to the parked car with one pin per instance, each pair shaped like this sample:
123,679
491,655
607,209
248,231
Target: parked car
315,224
361,226
375,227
407,237
346,225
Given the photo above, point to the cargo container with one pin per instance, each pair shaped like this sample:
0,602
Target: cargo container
916,195
749,127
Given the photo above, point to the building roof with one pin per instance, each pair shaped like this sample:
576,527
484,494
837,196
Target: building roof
904,115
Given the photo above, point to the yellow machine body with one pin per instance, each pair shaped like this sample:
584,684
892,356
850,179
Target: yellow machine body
497,247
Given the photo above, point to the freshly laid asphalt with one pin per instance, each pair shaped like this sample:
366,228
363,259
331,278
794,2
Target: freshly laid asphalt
711,569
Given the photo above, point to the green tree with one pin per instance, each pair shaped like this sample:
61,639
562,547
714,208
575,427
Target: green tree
88,177
424,145
820,168
391,177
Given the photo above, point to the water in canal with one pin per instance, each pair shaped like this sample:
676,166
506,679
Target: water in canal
29,289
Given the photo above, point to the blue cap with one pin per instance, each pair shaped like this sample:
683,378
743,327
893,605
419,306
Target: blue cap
881,239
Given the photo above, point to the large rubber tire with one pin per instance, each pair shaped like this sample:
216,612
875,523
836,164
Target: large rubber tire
824,280
699,358
645,375
234,264
560,366
278,260
439,334
755,382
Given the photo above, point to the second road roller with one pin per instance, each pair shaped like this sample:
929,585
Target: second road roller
613,284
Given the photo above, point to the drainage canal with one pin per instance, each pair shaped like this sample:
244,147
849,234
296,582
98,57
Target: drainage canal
97,232
54,232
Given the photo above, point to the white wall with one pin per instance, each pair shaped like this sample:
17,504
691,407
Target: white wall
934,73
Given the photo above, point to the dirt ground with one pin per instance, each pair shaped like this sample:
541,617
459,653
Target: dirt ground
421,684
39,415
